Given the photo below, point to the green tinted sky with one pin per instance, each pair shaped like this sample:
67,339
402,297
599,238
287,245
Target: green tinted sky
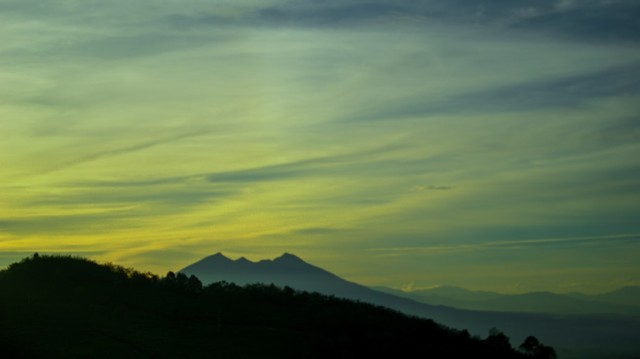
487,144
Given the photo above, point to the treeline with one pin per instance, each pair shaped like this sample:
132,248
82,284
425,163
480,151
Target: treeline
67,307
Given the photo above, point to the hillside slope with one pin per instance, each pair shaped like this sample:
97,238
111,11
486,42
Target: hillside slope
62,307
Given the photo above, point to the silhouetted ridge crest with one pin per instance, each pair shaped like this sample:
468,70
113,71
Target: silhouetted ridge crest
289,258
218,257
285,270
243,260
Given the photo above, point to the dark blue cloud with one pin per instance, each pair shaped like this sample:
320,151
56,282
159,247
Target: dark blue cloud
562,92
586,21
566,91
312,13
611,22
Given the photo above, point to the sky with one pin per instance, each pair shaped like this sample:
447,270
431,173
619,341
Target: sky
491,145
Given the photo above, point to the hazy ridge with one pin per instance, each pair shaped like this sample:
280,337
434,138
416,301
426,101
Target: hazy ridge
625,301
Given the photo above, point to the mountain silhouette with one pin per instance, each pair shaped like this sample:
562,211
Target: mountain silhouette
574,336
286,270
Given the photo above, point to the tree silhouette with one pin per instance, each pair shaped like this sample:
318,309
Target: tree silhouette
532,347
498,339
170,277
194,285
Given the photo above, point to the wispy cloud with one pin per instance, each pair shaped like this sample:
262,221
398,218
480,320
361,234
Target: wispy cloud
592,21
584,20
123,150
177,198
82,223
558,92
506,244
268,173
359,162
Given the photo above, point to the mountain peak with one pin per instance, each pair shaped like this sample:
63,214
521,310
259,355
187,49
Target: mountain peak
288,258
218,257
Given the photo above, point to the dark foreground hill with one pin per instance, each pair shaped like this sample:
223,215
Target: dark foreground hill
63,307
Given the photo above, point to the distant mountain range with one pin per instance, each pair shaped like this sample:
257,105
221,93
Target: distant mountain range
574,336
623,301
